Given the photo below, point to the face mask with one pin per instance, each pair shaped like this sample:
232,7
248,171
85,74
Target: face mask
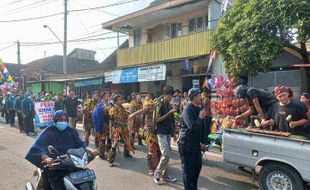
61,126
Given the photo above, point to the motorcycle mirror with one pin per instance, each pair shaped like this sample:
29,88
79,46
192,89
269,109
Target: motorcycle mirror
52,150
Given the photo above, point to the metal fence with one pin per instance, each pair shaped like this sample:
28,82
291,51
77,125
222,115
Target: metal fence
272,79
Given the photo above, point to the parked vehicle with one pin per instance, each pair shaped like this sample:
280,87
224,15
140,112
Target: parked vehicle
75,161
282,163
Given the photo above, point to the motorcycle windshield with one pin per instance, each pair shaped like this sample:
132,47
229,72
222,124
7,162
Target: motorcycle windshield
78,157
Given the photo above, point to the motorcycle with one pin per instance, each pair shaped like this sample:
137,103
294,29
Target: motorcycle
75,161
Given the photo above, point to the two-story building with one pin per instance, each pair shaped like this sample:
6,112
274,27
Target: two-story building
169,44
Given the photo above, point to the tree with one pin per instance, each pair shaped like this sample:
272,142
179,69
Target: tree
254,32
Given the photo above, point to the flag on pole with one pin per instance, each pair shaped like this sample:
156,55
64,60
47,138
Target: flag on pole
1,75
224,8
211,59
6,74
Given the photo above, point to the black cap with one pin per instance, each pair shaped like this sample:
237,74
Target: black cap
193,92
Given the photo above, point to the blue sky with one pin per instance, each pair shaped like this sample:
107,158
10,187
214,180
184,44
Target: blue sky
80,25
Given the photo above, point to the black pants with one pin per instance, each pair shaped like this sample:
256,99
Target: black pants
191,166
6,116
12,118
46,184
28,124
20,118
55,179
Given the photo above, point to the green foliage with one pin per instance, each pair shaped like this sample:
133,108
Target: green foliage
254,32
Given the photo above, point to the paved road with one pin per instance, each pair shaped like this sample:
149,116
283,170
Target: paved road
131,174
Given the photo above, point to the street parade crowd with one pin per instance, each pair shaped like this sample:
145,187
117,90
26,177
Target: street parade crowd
185,117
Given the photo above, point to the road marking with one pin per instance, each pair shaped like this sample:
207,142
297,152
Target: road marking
2,127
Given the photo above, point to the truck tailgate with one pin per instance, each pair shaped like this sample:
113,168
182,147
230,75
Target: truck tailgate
240,148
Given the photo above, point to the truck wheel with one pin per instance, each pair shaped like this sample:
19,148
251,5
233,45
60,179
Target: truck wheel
276,176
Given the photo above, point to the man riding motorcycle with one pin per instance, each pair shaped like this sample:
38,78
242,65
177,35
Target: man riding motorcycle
63,138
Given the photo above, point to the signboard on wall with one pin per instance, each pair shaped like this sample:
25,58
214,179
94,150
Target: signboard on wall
88,83
129,75
152,73
140,74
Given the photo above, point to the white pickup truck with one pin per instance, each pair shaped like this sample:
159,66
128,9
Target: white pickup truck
282,163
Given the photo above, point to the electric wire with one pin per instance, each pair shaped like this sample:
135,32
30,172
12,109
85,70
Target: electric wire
70,11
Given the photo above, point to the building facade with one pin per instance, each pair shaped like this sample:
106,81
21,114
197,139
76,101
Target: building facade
176,34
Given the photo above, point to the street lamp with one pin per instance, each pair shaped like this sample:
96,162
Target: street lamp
64,64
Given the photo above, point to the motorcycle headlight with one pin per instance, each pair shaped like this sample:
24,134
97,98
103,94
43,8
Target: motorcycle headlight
78,162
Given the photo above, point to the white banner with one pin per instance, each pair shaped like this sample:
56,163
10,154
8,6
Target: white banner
152,73
44,113
112,76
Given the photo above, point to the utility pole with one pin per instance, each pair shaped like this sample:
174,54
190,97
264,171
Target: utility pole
65,38
117,40
18,52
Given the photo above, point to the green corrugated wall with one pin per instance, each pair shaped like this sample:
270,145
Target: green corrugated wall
55,87
35,88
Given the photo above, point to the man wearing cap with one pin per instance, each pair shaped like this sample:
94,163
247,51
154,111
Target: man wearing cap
192,141
290,116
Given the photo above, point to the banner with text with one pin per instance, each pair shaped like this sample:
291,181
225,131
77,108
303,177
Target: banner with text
44,113
152,73
140,74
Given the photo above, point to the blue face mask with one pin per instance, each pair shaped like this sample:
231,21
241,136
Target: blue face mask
61,126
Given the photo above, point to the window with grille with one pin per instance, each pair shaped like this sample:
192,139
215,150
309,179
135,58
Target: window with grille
199,24
192,25
176,30
137,36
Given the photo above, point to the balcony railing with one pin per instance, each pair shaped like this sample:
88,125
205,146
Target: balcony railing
177,48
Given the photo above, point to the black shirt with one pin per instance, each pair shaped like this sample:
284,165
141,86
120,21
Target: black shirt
192,131
166,126
294,108
71,106
265,98
59,105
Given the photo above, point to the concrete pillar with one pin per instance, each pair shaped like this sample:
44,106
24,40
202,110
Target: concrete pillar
214,14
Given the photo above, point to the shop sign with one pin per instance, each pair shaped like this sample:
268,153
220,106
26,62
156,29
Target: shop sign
88,83
129,75
140,74
152,73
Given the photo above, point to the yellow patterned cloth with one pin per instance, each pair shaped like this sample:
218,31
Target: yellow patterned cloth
149,136
135,106
137,121
118,116
148,103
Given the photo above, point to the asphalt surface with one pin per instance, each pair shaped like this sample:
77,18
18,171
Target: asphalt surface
130,174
